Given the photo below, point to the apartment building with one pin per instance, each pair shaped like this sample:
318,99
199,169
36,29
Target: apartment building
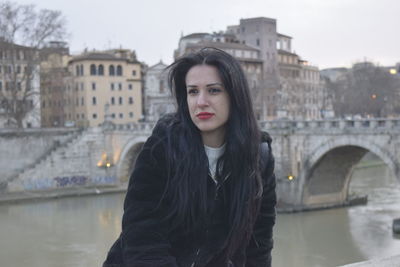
104,85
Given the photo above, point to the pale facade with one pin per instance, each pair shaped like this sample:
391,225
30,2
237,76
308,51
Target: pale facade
303,94
158,99
104,85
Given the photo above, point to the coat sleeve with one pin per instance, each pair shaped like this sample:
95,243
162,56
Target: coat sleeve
144,241
258,252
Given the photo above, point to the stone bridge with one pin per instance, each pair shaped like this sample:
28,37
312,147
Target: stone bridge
314,159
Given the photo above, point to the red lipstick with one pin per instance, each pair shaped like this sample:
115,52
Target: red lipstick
204,115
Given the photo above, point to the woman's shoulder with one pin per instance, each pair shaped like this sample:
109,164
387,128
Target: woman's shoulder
165,123
266,138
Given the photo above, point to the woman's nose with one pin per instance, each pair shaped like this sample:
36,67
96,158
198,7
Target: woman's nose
202,100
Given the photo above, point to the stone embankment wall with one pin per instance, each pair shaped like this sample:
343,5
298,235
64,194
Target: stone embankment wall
68,163
21,149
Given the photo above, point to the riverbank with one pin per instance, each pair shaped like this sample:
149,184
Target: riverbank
42,195
27,196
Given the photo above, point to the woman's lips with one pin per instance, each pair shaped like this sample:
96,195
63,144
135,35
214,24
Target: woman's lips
204,115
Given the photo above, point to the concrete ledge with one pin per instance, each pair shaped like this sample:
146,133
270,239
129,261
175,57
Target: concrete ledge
393,261
59,193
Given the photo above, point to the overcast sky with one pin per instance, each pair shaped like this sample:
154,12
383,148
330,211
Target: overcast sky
328,33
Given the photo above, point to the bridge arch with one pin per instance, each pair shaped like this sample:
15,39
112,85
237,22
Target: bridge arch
128,157
327,172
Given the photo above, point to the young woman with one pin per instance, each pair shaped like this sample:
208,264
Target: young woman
202,193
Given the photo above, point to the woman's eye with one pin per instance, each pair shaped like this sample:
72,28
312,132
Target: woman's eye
214,90
192,91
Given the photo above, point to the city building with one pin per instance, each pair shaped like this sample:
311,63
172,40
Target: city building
158,100
104,85
283,85
303,93
53,76
19,86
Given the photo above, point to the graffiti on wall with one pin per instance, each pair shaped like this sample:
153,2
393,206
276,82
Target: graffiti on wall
69,181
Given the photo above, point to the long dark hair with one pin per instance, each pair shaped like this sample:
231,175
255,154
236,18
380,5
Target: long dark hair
187,161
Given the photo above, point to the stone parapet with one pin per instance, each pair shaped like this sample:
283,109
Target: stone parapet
393,261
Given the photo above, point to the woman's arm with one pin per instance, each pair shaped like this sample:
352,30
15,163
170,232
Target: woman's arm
258,252
144,240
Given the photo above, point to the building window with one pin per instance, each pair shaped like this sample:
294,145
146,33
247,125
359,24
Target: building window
134,73
130,114
94,101
93,86
161,86
113,115
258,42
130,100
111,70
1,85
101,70
120,86
77,70
82,86
81,70
130,86
82,101
120,100
82,116
112,86
77,102
119,70
18,69
94,116
77,116
92,69
112,101
121,115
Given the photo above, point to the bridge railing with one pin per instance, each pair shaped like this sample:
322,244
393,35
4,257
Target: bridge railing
339,124
333,124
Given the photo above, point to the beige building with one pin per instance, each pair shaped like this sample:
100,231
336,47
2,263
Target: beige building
104,85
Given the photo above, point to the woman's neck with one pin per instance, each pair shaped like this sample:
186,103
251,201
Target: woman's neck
213,139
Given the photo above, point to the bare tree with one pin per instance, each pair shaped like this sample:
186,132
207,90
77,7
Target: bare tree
366,90
23,32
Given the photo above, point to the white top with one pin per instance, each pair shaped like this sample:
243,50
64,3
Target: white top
213,155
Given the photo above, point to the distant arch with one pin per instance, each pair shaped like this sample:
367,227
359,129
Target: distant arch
327,172
101,70
128,158
92,69
119,70
111,70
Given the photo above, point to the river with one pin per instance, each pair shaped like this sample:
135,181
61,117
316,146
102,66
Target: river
79,231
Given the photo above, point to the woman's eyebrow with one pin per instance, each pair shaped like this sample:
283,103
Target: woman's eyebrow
213,84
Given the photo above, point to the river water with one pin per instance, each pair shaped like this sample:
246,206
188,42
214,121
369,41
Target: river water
79,231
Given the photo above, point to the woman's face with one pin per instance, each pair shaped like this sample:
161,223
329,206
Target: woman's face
208,101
